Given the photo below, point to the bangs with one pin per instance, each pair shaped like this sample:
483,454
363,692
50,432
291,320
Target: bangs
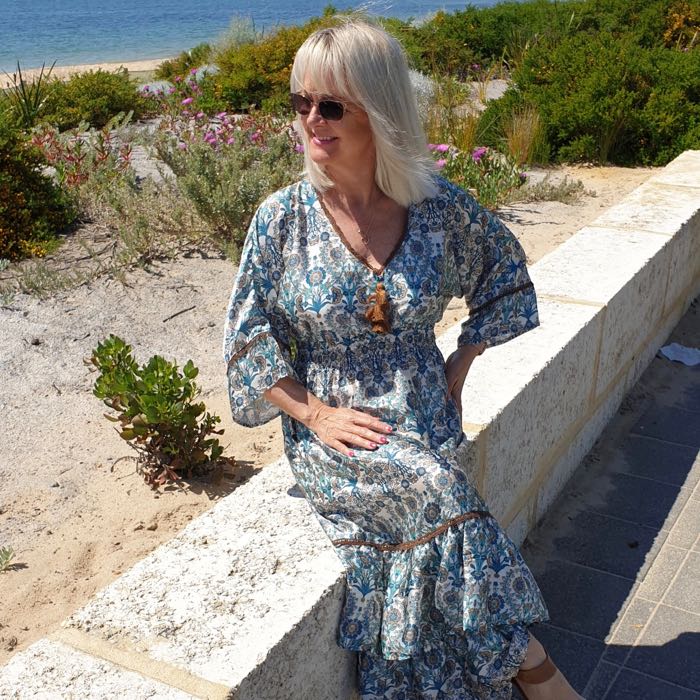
318,63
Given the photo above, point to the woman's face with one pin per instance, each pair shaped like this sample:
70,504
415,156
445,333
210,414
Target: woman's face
341,145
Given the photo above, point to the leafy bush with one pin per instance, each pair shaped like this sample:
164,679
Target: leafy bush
93,97
182,64
491,176
257,72
6,556
157,412
22,103
33,209
606,99
224,167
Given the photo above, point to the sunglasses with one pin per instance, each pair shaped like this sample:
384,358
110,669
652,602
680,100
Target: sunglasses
331,110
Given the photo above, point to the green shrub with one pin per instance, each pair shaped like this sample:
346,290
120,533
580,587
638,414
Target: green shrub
157,412
6,556
606,99
257,73
186,61
33,209
93,97
224,168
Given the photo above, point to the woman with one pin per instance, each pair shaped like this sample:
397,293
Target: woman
342,278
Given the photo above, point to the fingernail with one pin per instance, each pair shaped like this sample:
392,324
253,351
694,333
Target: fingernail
352,453
373,445
389,429
383,440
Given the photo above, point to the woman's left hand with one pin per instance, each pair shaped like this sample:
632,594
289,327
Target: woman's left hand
456,368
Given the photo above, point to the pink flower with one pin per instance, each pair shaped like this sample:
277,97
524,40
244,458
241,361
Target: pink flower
221,115
299,148
478,153
182,146
171,90
432,146
440,164
255,136
442,148
178,78
199,115
193,71
187,101
230,140
146,88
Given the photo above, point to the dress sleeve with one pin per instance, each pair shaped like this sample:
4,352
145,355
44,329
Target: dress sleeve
256,344
493,277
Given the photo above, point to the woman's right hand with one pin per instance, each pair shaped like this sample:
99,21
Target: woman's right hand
345,428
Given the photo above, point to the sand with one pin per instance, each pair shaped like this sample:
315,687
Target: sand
63,72
71,505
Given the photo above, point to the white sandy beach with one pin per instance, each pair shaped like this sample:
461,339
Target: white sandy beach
66,71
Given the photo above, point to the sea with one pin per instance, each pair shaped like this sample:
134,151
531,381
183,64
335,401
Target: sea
73,32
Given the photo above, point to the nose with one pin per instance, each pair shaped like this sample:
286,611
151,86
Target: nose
314,116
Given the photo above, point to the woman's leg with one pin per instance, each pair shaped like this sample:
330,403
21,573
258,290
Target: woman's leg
556,688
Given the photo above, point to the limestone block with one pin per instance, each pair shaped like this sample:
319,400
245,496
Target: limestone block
520,525
530,390
682,171
234,584
51,670
654,207
684,274
625,271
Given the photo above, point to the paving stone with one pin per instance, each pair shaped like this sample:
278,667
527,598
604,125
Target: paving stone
659,576
685,531
634,686
670,423
637,499
600,681
668,647
583,600
659,460
615,546
685,590
690,399
628,630
576,656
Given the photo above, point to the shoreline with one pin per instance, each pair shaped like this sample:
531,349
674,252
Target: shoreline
63,72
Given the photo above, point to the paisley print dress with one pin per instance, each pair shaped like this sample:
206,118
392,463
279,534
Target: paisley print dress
438,599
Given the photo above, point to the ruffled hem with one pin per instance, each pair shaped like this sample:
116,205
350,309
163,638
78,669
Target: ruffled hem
470,580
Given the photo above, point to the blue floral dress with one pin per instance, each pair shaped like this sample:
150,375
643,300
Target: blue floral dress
438,599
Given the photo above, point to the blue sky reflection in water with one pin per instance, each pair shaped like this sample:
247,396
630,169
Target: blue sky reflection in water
85,31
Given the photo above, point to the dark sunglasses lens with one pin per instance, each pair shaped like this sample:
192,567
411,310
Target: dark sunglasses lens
331,110
300,104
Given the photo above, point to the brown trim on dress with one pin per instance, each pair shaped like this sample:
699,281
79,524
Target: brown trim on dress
403,546
351,250
500,296
243,350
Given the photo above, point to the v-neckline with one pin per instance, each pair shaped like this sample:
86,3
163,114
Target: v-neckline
336,229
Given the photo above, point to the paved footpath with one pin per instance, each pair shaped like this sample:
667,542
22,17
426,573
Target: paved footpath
618,555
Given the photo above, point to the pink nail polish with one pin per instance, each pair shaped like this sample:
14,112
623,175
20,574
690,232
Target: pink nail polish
352,453
373,445
389,429
383,440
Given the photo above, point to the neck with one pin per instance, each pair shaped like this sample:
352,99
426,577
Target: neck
356,188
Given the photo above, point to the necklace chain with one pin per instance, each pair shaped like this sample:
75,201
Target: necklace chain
364,231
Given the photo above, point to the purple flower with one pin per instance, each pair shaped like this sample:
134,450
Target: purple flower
229,141
182,145
171,90
478,153
523,177
178,78
146,88
442,148
299,148
199,115
221,115
440,164
187,100
193,71
475,66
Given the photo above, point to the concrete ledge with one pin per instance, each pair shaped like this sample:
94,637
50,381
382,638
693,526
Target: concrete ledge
244,602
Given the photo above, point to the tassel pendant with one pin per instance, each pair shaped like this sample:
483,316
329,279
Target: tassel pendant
378,313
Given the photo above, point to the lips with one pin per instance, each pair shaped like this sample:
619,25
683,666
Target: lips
323,140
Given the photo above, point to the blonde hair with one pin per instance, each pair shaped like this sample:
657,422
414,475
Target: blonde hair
359,62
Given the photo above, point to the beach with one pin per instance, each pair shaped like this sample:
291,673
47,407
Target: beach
136,69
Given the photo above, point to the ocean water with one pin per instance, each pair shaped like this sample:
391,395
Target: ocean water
88,31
